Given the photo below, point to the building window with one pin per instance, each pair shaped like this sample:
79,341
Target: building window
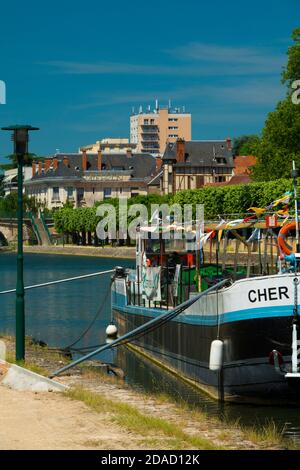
152,121
80,195
55,194
173,136
69,192
173,119
107,193
220,179
134,192
146,121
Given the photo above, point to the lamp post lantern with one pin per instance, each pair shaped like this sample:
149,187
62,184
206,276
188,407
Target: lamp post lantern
20,138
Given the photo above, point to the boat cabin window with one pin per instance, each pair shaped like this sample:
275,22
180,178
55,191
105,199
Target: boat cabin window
175,245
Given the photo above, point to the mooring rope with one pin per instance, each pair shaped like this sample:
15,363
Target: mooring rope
93,321
146,328
50,283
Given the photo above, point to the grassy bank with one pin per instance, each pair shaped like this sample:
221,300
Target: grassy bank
156,421
156,431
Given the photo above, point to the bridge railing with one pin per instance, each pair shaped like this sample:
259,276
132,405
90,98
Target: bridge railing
9,216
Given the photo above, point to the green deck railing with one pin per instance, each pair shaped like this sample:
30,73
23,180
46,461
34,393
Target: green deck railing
46,227
35,227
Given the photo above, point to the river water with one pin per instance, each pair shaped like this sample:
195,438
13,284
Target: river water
58,315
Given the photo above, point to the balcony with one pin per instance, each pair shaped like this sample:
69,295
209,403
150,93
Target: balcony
152,149
150,139
150,130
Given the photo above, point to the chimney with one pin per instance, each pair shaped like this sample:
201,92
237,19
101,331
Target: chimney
84,160
129,153
158,163
40,167
228,142
47,163
55,163
180,150
99,160
66,161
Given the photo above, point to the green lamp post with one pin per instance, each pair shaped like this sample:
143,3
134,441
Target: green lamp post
20,138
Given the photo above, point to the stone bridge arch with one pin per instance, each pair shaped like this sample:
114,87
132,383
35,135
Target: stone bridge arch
3,239
9,231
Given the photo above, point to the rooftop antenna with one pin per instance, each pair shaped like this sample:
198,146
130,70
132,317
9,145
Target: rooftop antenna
169,106
132,110
140,109
183,109
214,153
149,108
156,105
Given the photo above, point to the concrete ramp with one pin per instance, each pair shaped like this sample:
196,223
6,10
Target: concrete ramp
18,378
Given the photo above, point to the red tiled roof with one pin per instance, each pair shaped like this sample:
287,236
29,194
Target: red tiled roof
235,179
242,164
239,179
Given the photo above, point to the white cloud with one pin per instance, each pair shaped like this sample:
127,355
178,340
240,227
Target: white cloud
256,56
259,93
200,59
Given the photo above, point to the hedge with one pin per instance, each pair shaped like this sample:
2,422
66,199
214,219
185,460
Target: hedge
236,199
218,200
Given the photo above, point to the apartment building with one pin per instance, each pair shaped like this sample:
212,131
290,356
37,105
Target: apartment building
152,130
84,178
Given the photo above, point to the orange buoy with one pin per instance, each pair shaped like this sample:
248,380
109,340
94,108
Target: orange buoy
287,249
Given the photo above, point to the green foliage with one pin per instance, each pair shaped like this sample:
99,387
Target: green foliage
234,200
225,201
28,159
84,219
280,143
9,204
292,70
246,145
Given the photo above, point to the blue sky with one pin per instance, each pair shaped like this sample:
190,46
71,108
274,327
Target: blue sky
75,69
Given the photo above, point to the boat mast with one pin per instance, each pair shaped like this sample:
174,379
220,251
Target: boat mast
295,174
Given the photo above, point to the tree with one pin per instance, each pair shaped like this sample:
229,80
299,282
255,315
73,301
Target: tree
292,70
9,204
246,145
280,143
28,159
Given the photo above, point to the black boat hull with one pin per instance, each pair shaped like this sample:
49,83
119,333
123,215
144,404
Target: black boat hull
247,374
